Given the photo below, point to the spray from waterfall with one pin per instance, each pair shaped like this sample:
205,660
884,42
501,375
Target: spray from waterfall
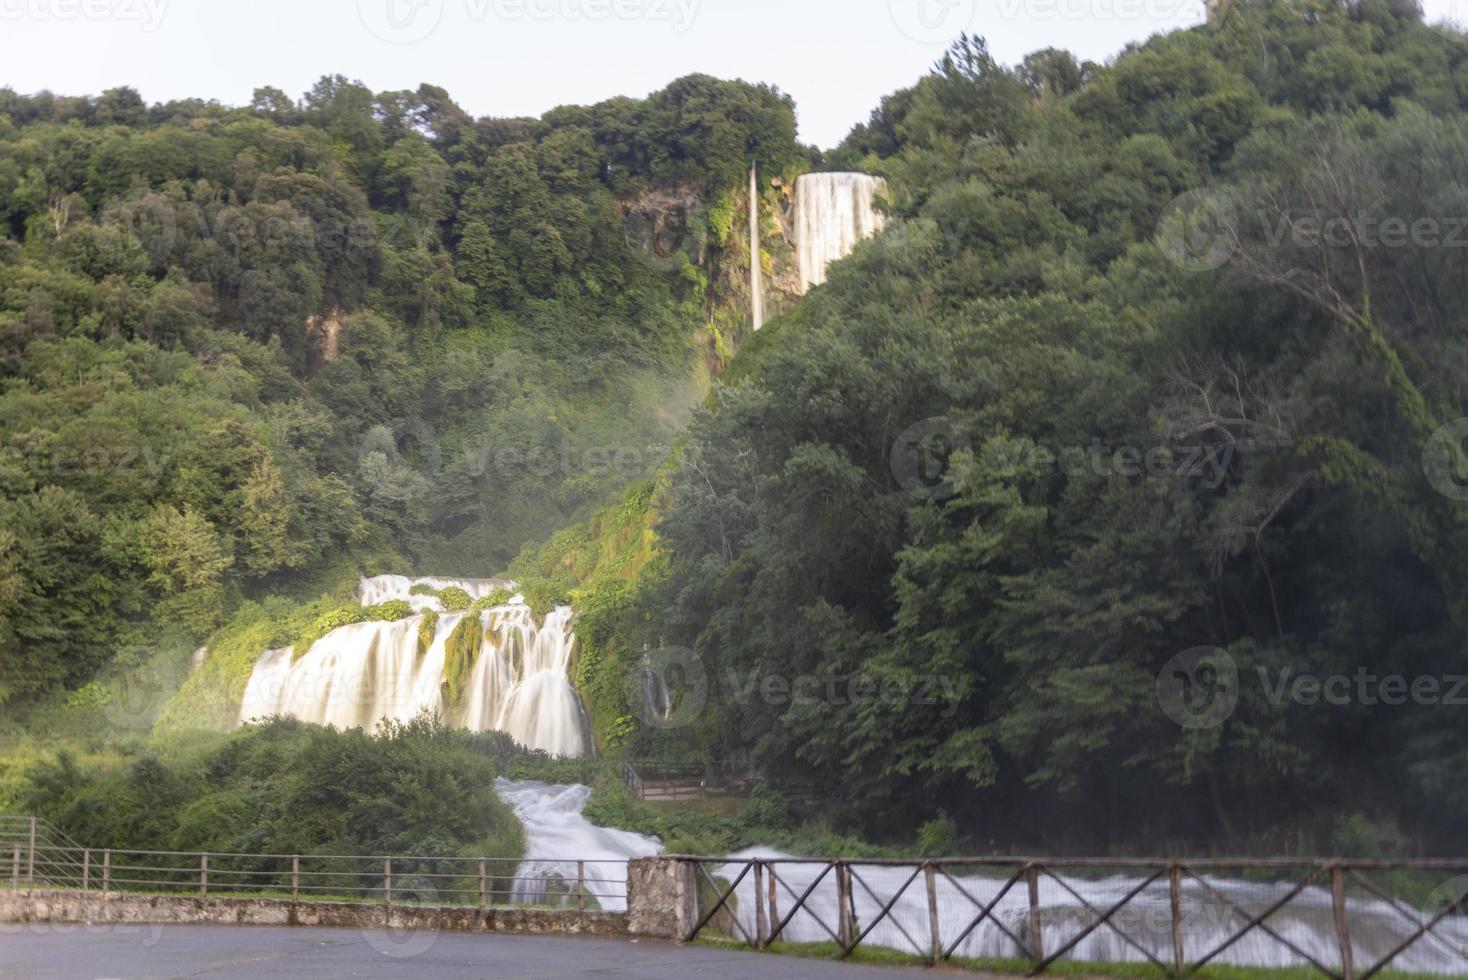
361,674
833,213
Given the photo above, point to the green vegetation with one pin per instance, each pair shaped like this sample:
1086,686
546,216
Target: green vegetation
595,566
1020,452
255,352
461,652
719,826
1139,456
427,630
496,598
286,788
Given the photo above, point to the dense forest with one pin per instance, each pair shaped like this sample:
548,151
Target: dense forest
254,351
1026,447
1028,304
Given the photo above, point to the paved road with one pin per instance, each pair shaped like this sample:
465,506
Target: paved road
142,952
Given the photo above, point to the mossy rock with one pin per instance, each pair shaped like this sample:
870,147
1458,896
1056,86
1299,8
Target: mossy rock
427,630
461,652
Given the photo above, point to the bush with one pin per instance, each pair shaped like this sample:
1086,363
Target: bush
334,620
765,808
938,837
454,599
286,787
494,600
389,612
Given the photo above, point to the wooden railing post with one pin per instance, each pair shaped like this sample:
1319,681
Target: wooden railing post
387,881
15,869
1179,961
774,904
30,871
1342,926
761,927
106,872
843,906
295,877
580,886
203,876
483,886
86,869
931,874
1037,929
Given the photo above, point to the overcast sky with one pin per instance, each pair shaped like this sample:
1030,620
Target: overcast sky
522,57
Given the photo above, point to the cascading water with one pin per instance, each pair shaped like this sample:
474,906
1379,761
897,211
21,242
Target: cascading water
554,831
364,673
833,212
1307,920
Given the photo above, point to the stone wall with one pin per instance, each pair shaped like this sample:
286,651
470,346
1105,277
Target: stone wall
662,897
76,907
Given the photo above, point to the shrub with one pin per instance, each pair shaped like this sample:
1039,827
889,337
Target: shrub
494,600
454,599
336,619
938,837
389,612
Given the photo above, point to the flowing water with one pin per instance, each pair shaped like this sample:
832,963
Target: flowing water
364,673
555,830
557,835
1307,921
833,212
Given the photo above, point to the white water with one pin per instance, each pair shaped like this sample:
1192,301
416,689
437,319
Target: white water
833,212
1307,920
557,835
555,830
361,674
382,588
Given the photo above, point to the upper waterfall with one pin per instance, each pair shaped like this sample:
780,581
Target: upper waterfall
502,672
833,212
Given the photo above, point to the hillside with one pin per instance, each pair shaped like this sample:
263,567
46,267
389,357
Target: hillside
1155,376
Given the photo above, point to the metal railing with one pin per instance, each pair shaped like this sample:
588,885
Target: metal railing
34,855
36,840
653,780
1345,919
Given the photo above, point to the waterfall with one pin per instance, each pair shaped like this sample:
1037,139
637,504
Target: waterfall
557,835
1308,920
833,212
364,673
756,258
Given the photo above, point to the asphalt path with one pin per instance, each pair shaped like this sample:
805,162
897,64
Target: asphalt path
147,952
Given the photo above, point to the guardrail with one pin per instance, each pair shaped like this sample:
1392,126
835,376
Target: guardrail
1345,919
34,855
